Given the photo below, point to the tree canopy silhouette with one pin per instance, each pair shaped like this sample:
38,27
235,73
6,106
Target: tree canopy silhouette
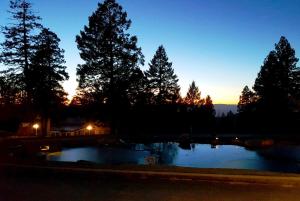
112,59
19,46
247,99
209,106
162,80
193,96
138,92
274,103
34,64
47,71
278,82
9,91
110,54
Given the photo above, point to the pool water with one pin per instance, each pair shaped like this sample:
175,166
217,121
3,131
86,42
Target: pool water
276,159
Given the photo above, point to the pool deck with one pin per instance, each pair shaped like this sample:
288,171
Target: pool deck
80,188
157,172
52,182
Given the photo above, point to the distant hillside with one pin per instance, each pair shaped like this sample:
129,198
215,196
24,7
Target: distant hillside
223,108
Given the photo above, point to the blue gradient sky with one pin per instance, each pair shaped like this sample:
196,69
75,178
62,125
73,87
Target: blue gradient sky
219,44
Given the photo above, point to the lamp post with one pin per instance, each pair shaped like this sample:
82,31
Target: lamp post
89,128
35,126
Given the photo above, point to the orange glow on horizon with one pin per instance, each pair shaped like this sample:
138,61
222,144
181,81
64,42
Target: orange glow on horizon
226,102
219,94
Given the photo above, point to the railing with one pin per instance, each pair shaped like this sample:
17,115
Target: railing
79,132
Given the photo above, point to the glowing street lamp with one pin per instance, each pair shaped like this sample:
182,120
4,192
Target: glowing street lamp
89,128
35,126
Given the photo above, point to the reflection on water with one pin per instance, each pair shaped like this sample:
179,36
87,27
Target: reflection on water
164,152
187,155
102,155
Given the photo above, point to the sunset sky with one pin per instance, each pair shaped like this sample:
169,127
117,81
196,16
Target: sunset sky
219,44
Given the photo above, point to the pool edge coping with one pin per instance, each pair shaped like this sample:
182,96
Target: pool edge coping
213,175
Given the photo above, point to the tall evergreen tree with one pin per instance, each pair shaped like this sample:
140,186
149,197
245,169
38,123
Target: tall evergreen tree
18,46
209,106
246,101
193,96
266,83
278,83
46,73
289,73
111,58
111,55
162,80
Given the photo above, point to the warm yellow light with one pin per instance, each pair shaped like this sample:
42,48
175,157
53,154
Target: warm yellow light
35,126
45,148
89,127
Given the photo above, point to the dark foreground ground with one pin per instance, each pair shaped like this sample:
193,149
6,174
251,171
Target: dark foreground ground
86,188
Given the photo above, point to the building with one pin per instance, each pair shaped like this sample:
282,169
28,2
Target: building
85,129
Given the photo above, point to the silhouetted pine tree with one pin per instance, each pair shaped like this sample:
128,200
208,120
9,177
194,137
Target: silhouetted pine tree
162,80
209,106
247,111
46,73
277,84
193,96
246,101
111,55
18,46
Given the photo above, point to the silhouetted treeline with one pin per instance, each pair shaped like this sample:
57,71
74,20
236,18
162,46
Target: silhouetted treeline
35,70
112,87
273,105
136,101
